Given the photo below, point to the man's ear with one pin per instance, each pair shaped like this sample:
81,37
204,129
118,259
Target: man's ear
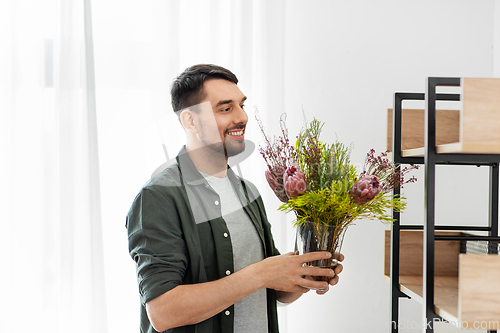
187,118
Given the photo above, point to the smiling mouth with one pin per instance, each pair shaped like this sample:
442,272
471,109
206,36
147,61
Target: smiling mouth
236,134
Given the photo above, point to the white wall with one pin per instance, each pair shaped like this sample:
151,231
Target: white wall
343,62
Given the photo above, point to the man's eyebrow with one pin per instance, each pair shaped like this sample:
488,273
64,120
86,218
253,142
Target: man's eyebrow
224,101
229,101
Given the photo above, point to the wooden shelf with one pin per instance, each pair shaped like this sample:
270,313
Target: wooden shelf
473,129
445,293
466,286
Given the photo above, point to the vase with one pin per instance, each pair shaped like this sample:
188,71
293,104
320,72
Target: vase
313,236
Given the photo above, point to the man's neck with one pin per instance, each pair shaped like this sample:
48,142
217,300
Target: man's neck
209,161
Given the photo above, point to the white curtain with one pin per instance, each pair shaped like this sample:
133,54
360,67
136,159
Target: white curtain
78,141
140,47
52,275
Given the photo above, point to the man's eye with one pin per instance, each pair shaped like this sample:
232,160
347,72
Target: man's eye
242,106
225,109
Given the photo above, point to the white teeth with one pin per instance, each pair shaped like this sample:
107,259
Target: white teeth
236,133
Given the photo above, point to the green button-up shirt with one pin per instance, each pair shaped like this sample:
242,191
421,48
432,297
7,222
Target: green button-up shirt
177,236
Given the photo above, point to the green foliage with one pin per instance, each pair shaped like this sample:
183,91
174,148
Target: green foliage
322,164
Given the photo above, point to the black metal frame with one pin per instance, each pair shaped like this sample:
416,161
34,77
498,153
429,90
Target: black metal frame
430,160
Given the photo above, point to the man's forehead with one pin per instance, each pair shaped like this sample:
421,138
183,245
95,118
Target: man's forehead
219,89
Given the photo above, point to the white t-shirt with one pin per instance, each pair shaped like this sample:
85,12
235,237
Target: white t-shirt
250,313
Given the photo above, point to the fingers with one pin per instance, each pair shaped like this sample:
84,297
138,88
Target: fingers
334,280
308,282
322,292
304,281
317,255
338,269
316,271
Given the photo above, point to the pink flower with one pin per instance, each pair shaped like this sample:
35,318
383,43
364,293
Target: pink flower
270,180
365,189
294,182
276,186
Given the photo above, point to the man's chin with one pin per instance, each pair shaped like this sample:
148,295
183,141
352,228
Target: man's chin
235,148
228,148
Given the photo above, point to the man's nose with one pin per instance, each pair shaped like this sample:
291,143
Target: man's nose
241,115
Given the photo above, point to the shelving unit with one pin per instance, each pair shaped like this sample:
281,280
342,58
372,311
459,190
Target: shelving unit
427,262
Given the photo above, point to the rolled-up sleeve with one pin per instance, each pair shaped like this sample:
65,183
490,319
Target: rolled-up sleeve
156,243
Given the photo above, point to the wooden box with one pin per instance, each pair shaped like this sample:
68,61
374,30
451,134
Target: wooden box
474,128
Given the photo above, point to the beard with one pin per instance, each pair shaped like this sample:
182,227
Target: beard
234,147
229,147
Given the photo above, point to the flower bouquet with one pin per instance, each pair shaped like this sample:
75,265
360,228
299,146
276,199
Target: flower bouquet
317,182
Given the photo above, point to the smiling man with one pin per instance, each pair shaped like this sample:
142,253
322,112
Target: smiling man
205,256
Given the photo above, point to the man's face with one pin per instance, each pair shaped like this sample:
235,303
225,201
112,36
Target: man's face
226,133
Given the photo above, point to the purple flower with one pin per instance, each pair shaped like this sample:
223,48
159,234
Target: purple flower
294,182
365,189
389,175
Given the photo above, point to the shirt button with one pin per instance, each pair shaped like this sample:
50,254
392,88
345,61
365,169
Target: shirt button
226,235
228,272
227,313
216,202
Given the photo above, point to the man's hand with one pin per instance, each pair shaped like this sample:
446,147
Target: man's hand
288,273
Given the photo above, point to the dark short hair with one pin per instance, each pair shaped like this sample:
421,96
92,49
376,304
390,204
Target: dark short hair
187,88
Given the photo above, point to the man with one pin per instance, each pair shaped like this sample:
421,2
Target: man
205,255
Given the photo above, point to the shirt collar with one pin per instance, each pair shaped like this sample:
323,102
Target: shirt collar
191,174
